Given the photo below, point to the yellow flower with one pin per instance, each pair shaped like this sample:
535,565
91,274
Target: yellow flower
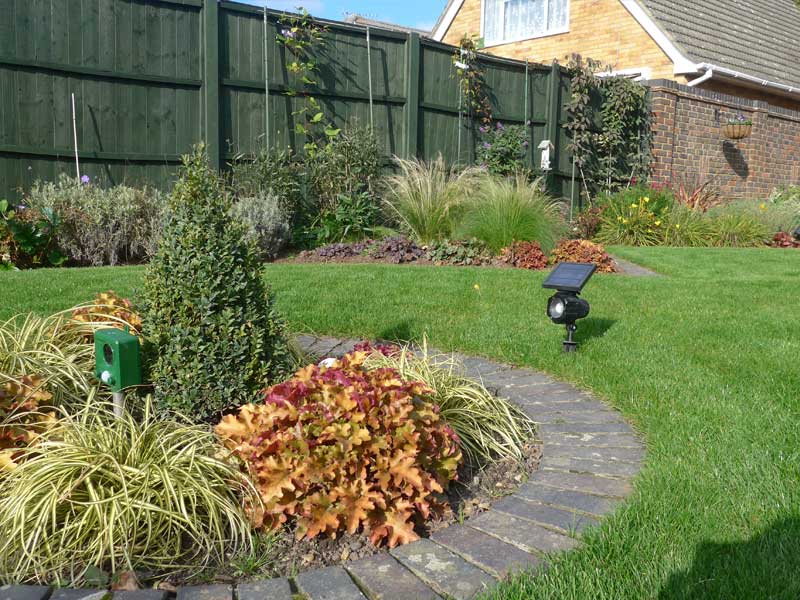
624,220
619,219
646,199
763,206
634,205
476,287
677,225
658,223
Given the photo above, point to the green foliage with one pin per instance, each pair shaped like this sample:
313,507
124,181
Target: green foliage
425,197
641,223
488,427
686,227
101,226
275,173
459,252
353,218
266,222
503,211
207,313
339,447
609,127
28,237
736,229
98,493
503,149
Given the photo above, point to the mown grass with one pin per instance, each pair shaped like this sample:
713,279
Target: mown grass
705,361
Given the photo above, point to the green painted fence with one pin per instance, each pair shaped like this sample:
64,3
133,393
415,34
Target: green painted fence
153,77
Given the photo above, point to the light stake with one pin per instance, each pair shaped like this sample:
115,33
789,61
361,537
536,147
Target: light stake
565,307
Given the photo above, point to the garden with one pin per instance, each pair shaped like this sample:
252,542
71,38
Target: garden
245,456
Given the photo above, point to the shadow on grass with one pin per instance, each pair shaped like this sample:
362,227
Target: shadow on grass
765,566
591,328
399,332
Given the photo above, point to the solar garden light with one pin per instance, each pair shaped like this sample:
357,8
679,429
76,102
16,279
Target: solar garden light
565,306
116,362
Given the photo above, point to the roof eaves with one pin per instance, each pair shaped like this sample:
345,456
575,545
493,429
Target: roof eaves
446,19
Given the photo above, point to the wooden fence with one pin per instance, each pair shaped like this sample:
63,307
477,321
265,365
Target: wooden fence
153,77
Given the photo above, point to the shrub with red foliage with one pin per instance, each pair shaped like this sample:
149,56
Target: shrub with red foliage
583,251
524,255
783,239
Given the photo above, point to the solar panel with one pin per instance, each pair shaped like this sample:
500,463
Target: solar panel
570,277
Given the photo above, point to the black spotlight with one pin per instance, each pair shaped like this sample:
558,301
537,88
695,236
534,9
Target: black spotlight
565,307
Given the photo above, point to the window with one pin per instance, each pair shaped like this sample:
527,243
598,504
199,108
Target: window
512,20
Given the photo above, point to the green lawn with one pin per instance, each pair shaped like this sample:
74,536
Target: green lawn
705,361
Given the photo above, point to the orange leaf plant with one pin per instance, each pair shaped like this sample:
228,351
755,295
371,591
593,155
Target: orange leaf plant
337,448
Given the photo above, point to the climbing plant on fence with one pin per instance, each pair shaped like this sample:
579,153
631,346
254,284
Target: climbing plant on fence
609,123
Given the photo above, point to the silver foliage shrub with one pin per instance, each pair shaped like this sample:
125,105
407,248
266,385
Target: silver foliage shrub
102,226
266,220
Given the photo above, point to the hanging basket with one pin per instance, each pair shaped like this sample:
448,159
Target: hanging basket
737,131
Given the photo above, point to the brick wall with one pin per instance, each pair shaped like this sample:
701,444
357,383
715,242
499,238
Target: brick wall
600,29
688,141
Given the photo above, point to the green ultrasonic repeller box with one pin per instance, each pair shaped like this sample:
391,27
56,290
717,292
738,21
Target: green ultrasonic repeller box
116,359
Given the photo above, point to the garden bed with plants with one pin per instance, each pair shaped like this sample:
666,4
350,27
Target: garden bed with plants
239,455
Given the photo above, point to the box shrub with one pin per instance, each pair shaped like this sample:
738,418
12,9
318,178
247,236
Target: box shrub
207,313
337,448
583,251
101,226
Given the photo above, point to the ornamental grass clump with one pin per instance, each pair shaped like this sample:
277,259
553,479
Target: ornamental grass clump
342,448
488,427
503,211
128,494
425,198
207,313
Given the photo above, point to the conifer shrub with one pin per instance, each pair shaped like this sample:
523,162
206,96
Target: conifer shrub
214,336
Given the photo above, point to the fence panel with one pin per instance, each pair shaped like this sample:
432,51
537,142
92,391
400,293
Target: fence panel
153,77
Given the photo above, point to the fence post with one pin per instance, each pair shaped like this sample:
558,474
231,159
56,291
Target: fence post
412,95
211,81
553,112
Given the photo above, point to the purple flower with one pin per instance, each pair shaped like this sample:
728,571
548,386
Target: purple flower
288,33
84,179
483,129
500,126
525,144
487,145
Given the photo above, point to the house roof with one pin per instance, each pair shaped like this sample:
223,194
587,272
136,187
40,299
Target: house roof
357,19
756,37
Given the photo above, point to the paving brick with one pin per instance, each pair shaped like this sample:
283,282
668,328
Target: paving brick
618,440
24,592
602,486
596,467
383,578
612,453
521,533
588,503
565,520
490,554
270,589
330,583
206,592
581,428
448,574
141,595
86,594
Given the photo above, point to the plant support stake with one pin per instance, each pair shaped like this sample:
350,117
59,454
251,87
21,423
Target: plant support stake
266,81
369,81
75,139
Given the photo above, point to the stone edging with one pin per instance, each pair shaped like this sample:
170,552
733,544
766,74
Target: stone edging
590,456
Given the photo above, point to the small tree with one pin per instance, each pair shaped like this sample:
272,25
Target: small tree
208,315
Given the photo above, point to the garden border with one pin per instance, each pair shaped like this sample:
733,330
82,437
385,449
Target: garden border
590,456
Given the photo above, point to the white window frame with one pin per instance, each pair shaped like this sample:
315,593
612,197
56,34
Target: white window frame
502,42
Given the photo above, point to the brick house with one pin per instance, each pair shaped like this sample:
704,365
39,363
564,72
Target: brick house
706,61
744,49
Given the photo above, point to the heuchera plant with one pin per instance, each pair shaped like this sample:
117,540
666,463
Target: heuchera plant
21,417
110,309
583,251
337,448
525,255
